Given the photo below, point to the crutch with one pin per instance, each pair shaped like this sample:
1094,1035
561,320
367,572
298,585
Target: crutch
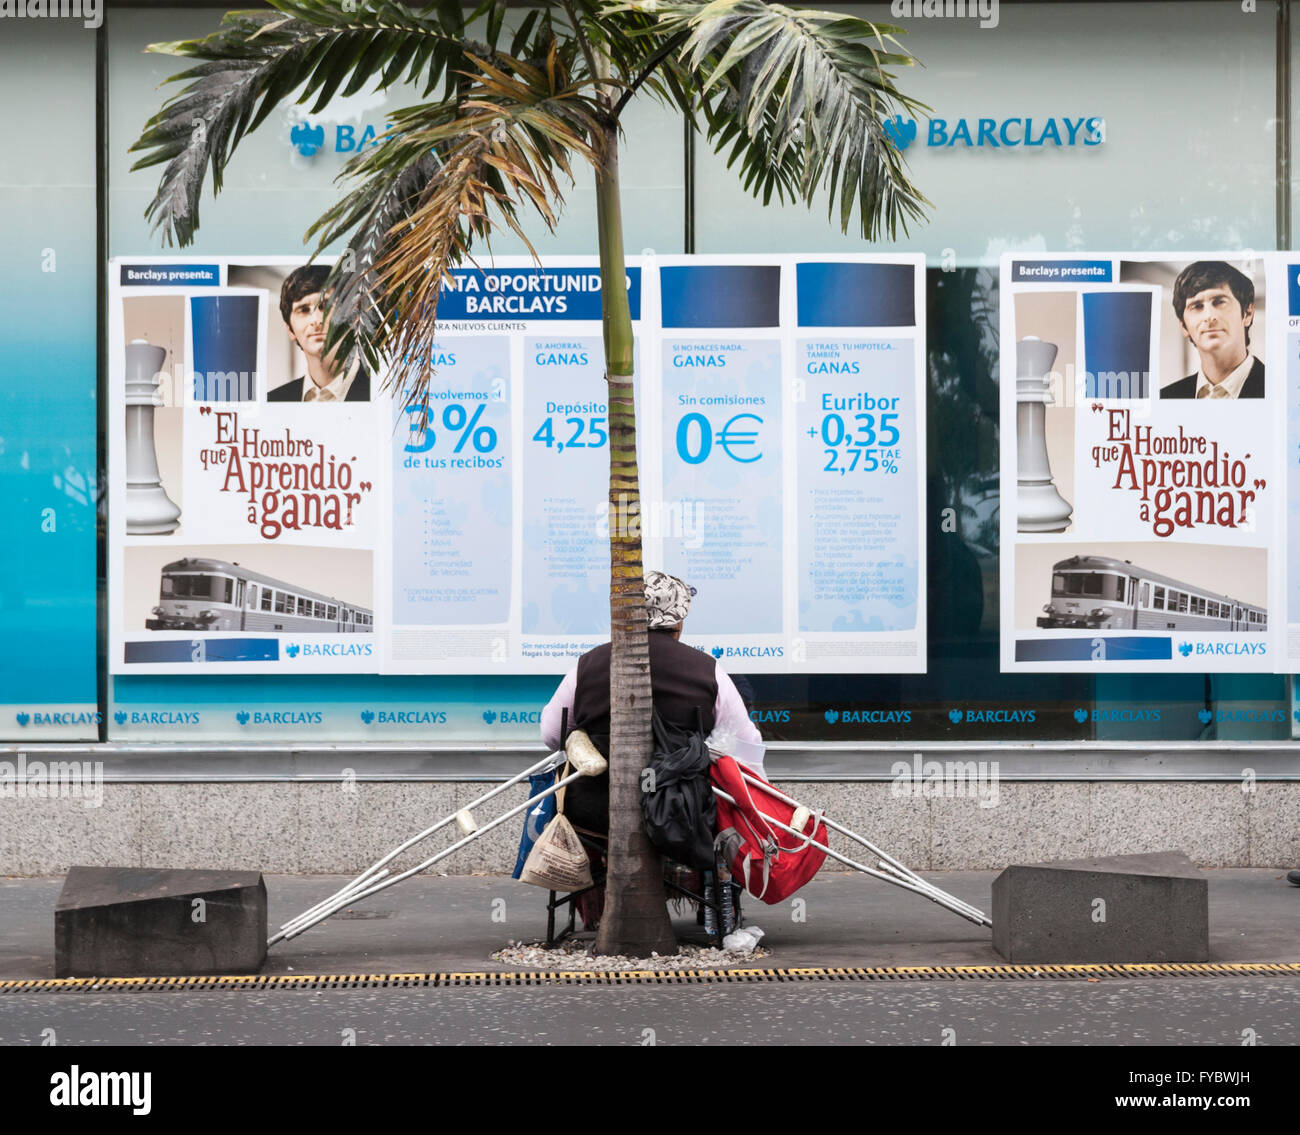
887,863
375,877
893,871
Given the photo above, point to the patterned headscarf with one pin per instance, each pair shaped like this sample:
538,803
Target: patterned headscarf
667,599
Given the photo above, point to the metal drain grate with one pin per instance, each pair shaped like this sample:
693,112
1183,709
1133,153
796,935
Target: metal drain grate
647,977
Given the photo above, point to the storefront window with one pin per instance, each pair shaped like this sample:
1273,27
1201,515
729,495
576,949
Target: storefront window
1091,145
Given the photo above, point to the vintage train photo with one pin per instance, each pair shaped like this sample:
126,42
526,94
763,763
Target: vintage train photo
208,594
1096,591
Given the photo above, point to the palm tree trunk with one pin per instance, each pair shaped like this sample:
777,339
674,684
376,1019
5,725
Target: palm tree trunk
635,920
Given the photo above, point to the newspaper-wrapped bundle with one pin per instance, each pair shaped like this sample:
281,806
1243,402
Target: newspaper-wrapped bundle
558,860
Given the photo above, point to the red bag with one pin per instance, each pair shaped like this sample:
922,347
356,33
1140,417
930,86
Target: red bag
771,863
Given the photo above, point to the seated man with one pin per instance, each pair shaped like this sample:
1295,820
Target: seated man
683,680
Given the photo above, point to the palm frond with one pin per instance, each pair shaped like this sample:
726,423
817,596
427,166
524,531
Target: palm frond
259,58
446,176
800,98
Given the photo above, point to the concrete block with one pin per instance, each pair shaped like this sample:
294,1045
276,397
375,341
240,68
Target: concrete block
1123,908
136,921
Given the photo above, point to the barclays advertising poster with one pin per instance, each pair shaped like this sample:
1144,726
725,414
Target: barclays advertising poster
790,415
1144,467
274,513
245,475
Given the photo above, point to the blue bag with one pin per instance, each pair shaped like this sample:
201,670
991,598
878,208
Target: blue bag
536,818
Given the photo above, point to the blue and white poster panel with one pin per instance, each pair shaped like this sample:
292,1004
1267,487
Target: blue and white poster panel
498,524
274,514
789,397
1142,488
244,495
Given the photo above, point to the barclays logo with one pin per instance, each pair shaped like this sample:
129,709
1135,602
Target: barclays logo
163,717
512,716
1251,716
901,131
1230,648
309,139
778,716
39,717
868,716
995,133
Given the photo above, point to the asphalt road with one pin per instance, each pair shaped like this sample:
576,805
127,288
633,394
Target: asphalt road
1164,1011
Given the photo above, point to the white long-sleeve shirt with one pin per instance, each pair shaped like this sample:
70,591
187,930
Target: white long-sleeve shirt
729,714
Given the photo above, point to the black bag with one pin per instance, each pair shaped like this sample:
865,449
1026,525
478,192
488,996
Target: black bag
680,814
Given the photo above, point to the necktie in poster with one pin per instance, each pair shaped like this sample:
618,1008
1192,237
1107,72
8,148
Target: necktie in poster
1141,463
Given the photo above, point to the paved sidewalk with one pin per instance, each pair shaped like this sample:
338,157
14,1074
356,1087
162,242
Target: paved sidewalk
456,922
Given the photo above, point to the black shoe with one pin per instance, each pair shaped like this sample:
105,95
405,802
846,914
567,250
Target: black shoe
1293,877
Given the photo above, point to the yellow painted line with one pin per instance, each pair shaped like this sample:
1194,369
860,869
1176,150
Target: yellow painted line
606,977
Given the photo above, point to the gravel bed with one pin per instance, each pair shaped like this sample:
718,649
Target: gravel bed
577,955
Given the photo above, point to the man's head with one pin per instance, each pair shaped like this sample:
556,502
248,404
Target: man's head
667,601
300,307
1215,305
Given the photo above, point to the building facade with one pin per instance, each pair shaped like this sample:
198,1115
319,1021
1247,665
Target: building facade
1054,127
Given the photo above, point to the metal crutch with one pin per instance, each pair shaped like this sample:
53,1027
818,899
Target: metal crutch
890,866
916,886
375,878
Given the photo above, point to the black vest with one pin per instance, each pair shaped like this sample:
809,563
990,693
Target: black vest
682,679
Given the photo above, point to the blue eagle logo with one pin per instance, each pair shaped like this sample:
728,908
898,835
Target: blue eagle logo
901,131
307,138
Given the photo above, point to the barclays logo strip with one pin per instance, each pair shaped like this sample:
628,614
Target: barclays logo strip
997,133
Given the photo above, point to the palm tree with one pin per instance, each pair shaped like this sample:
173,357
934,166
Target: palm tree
796,100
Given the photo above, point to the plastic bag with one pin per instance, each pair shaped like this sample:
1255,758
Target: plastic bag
558,860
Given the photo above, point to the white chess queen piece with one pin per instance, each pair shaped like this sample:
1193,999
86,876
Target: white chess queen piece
1039,507
149,510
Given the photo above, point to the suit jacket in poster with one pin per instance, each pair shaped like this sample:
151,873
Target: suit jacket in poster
1253,387
359,391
